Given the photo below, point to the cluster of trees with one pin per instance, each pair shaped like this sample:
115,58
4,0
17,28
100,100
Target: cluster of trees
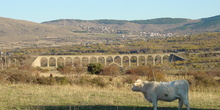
151,21
161,21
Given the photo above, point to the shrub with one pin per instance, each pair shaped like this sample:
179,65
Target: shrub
94,68
87,80
62,80
140,71
130,79
17,76
46,80
26,67
79,69
81,80
42,70
98,81
20,78
25,76
66,69
214,73
52,80
152,73
201,78
111,70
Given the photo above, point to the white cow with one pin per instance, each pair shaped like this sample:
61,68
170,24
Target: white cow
165,91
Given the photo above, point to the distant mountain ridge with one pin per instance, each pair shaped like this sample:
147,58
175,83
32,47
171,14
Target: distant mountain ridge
161,21
164,25
211,24
120,22
20,30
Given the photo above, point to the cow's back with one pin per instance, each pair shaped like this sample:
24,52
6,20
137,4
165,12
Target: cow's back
182,87
169,91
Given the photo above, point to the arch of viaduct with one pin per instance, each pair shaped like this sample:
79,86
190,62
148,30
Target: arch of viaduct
106,60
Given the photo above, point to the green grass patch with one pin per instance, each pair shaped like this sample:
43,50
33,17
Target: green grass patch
43,97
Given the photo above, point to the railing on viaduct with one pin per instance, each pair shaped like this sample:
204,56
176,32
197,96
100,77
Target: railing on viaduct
120,60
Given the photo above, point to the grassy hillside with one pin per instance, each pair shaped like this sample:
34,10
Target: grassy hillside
18,33
204,25
19,30
152,25
175,25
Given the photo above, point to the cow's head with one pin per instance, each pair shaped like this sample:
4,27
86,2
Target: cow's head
137,85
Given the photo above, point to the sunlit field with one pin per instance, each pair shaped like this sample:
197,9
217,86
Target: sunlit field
88,97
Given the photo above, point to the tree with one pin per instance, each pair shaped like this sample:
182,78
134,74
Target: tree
94,68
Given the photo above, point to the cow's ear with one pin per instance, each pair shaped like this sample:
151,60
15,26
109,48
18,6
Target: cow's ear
139,80
145,82
136,84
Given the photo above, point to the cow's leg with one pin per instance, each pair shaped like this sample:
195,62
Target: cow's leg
180,104
186,103
155,104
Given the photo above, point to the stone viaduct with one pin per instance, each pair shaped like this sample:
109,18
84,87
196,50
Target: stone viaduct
121,60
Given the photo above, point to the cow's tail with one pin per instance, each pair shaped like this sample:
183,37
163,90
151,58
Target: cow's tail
187,95
187,88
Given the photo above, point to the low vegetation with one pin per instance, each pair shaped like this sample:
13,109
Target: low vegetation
207,42
105,76
98,87
152,74
86,94
26,88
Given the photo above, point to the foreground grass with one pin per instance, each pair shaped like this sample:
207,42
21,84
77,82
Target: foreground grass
41,97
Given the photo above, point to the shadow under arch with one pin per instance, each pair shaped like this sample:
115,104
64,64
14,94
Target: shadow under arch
60,61
125,62
52,62
118,60
44,62
150,60
101,60
109,60
68,61
93,60
76,62
166,59
158,59
85,61
141,60
133,61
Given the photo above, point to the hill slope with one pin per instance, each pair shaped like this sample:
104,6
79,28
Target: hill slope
211,24
19,30
152,25
162,25
71,29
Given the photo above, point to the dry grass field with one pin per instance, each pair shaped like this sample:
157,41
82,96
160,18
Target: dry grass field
88,97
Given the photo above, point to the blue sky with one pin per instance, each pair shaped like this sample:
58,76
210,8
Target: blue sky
46,10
